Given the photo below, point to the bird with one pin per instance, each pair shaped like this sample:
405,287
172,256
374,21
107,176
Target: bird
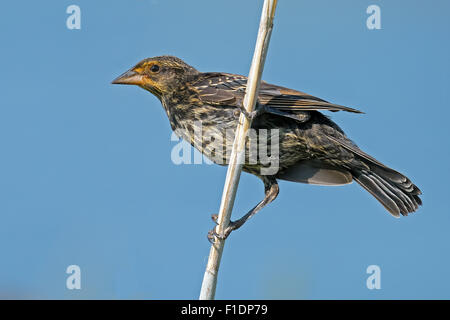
311,148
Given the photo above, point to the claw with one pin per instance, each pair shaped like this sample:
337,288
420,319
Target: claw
250,115
213,235
214,218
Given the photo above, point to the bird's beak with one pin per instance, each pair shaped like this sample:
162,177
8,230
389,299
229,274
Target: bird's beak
129,77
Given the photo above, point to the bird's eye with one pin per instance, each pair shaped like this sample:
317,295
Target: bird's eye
154,68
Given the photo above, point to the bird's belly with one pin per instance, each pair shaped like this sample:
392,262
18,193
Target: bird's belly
213,135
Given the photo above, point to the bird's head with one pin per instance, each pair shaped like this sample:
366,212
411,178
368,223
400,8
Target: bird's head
159,75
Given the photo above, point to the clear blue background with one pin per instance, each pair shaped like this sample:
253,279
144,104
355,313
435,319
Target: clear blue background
86,176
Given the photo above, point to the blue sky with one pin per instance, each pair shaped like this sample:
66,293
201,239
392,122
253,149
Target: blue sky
86,176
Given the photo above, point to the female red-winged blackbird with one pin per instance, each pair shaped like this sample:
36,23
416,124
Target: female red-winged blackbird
311,148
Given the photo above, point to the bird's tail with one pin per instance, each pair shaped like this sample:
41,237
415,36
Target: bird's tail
395,191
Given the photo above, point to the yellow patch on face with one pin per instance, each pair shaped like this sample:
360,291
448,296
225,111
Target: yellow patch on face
141,67
150,82
146,80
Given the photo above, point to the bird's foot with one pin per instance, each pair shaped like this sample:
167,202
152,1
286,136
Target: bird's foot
249,115
213,235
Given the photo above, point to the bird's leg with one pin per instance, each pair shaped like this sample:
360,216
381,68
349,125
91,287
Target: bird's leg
271,190
259,109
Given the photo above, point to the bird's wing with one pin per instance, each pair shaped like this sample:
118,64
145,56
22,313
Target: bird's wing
291,100
221,88
374,164
347,144
229,89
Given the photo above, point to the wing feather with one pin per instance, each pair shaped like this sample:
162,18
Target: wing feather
229,89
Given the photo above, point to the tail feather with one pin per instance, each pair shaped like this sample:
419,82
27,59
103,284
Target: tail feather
395,191
392,189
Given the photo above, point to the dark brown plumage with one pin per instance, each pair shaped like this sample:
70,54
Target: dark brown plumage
312,148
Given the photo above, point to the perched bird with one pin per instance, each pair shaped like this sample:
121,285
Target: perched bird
311,148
